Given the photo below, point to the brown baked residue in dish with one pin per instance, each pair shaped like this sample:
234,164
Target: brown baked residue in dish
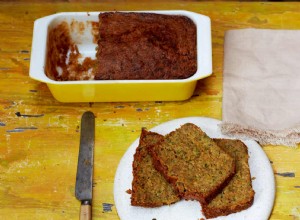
95,30
63,57
145,46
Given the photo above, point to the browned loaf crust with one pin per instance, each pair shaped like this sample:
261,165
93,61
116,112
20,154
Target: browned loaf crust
193,163
238,194
149,187
145,46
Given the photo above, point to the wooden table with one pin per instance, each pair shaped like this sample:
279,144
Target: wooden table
39,136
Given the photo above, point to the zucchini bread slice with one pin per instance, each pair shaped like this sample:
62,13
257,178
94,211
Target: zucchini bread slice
238,194
193,163
149,187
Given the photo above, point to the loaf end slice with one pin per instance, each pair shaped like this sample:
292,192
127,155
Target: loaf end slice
149,187
238,194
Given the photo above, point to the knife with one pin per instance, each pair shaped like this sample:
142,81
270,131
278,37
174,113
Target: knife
84,177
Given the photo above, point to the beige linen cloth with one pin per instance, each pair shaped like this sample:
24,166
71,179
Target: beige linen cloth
261,87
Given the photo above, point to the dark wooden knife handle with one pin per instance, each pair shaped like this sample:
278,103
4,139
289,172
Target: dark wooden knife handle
86,211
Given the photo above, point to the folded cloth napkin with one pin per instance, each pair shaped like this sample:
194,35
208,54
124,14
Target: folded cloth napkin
261,87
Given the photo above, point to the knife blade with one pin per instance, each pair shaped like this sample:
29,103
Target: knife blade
84,176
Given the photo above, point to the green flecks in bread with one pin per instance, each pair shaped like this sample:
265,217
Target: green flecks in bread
149,187
193,163
238,194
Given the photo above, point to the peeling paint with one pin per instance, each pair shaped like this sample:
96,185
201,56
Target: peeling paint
29,144
60,121
121,122
120,106
28,116
2,123
286,174
296,212
21,129
11,105
24,164
257,20
24,51
107,207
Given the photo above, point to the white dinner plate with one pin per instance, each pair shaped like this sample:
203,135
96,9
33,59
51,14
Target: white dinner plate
263,181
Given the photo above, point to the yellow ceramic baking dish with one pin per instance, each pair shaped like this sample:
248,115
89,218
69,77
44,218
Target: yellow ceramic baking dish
116,90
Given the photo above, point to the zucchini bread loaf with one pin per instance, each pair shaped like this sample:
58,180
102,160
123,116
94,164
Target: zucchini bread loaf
149,187
193,163
238,194
145,46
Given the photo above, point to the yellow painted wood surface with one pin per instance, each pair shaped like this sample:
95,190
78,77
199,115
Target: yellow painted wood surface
39,136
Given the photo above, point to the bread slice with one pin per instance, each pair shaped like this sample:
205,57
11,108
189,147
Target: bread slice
193,163
238,194
149,187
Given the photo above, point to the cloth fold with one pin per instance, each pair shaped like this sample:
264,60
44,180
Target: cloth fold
261,85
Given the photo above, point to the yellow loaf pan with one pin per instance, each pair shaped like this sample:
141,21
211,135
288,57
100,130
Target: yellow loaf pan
116,90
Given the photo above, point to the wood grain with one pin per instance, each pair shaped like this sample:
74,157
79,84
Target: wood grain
85,212
39,137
